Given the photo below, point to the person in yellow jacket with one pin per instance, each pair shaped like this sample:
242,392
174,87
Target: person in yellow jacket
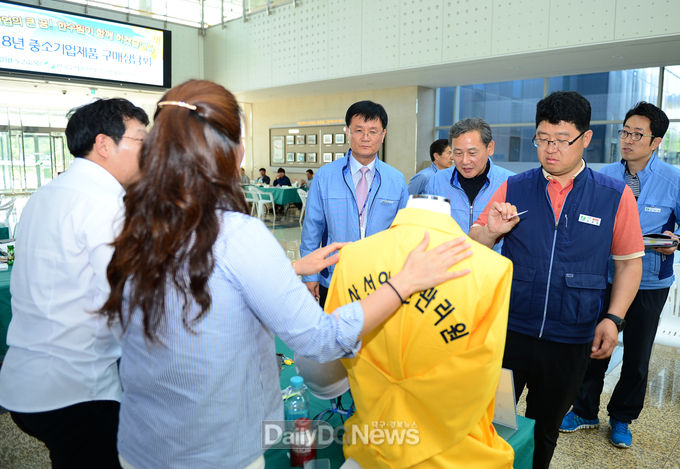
424,382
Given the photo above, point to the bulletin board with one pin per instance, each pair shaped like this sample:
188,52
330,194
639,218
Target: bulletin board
309,145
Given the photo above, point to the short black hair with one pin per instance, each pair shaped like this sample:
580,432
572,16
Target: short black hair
567,106
262,169
368,110
309,171
103,116
281,170
658,120
438,146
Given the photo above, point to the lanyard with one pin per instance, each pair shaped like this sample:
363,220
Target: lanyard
362,227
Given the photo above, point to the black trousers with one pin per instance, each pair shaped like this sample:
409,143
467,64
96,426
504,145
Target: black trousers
628,397
78,436
552,372
323,293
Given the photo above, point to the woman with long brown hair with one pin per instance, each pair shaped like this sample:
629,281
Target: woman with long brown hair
201,288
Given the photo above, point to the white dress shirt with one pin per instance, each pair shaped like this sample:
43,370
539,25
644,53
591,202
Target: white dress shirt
61,352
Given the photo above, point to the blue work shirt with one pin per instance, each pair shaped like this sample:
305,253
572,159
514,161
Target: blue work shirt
419,181
446,184
659,210
331,213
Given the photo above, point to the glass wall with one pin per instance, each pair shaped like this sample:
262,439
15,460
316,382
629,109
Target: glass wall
32,149
510,108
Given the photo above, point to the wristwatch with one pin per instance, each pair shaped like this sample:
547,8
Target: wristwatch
620,322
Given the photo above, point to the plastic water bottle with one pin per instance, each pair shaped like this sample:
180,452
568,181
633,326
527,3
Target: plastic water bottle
296,403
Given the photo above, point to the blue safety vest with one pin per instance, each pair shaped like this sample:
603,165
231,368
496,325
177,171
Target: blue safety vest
560,269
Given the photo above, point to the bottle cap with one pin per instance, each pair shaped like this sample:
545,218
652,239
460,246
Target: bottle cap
296,381
303,423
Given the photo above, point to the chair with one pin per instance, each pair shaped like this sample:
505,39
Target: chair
264,198
303,197
668,332
251,198
6,213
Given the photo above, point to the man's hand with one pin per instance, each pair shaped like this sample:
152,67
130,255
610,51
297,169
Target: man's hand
606,338
313,288
501,218
316,261
669,250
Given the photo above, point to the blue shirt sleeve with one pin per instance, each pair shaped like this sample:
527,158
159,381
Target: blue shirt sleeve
276,296
404,195
415,185
314,225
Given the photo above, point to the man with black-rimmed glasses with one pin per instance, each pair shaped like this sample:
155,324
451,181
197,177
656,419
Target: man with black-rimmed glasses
656,186
571,220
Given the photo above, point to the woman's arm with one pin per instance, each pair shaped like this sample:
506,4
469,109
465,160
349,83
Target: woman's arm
422,270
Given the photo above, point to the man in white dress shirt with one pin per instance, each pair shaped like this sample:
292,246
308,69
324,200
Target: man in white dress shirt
59,378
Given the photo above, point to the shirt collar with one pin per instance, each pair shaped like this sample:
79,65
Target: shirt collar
429,219
549,176
104,179
355,166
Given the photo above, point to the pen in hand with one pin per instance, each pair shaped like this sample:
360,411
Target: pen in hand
517,214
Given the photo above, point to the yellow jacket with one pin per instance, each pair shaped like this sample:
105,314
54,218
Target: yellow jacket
429,374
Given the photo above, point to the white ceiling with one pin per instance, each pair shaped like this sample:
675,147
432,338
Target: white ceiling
569,61
41,94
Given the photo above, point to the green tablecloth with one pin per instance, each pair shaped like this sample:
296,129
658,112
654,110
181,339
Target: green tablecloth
5,309
282,195
522,441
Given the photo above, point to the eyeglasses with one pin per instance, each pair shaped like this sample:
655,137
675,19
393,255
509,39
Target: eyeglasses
369,133
544,143
136,139
634,136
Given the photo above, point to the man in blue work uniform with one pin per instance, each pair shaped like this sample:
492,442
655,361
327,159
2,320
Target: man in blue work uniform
575,219
355,196
442,158
472,181
656,186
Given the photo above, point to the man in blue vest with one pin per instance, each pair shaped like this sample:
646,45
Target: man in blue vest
473,180
656,186
442,158
573,220
355,196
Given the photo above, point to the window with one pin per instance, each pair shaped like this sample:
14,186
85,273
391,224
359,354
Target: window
510,107
501,103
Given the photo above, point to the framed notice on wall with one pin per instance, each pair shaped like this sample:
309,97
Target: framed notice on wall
309,144
278,149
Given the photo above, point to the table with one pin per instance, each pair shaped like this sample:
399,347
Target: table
282,195
522,441
5,309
